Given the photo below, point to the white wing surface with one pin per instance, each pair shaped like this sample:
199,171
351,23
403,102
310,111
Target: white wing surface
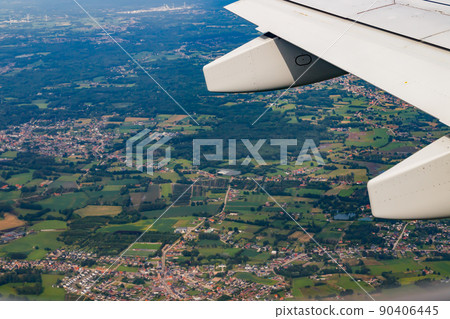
402,47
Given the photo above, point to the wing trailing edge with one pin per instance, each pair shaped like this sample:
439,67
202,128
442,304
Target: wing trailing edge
413,71
267,63
412,68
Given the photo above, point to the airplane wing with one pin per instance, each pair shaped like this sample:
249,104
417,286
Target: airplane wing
400,46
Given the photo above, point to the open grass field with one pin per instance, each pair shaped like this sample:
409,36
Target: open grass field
396,266
63,184
255,257
210,194
34,182
210,209
122,182
395,146
152,194
10,221
108,197
376,138
49,224
185,222
247,205
127,269
66,201
298,284
34,245
313,292
329,236
347,192
20,179
259,280
257,198
9,196
246,214
241,226
167,175
69,178
95,210
129,128
50,293
303,191
412,279
8,289
221,251
163,225
360,174
443,267
9,154
112,188
23,212
143,249
42,104
154,246
347,283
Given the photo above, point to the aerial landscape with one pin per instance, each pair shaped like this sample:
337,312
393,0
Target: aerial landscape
77,222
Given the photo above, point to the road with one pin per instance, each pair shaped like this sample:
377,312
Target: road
190,230
400,237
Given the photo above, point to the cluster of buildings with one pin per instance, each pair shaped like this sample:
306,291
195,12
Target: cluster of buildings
74,138
11,235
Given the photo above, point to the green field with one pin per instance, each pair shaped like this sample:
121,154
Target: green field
255,257
396,266
42,104
347,192
443,267
162,225
34,245
211,209
66,201
331,236
127,269
378,137
166,190
348,283
303,191
395,145
167,175
259,280
69,178
112,188
50,293
20,179
142,249
49,224
154,246
221,251
298,284
9,154
6,196
94,210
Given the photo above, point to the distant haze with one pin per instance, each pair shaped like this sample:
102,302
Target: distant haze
69,7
